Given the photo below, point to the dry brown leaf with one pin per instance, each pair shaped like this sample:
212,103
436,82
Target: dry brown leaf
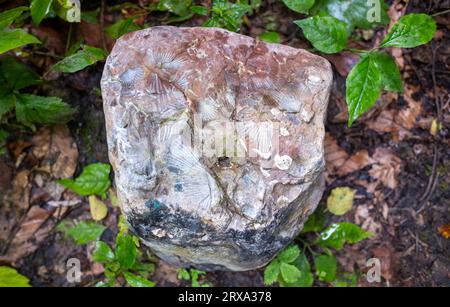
357,161
21,189
335,156
388,261
386,168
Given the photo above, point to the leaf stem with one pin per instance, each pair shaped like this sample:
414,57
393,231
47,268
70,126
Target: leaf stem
441,13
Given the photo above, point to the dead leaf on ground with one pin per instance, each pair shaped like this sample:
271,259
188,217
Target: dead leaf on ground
343,61
335,156
386,168
357,161
388,261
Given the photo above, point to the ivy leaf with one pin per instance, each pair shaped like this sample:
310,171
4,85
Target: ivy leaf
299,6
271,272
8,17
290,273
363,87
122,27
17,75
355,13
137,281
306,278
326,33
340,200
93,180
32,109
81,59
270,37
326,267
391,79
39,9
410,31
289,254
126,251
337,234
102,253
83,232
9,277
11,39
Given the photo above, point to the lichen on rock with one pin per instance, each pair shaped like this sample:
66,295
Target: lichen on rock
216,141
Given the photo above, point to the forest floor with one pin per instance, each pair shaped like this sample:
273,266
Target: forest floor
394,157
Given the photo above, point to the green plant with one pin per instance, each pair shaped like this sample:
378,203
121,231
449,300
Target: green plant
192,275
69,10
124,261
9,277
29,109
228,15
82,232
331,25
94,179
291,267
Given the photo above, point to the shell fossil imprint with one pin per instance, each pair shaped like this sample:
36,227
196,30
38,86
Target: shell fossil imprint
216,141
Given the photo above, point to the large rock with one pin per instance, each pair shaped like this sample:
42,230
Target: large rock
171,97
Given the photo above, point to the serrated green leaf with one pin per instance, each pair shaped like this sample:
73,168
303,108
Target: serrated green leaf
93,180
391,79
137,281
355,13
289,254
270,37
340,200
227,15
337,234
102,253
199,10
271,272
363,87
289,272
39,10
81,59
14,38
306,278
9,277
410,31
299,6
83,232
32,109
126,251
326,267
8,17
17,75
122,27
326,33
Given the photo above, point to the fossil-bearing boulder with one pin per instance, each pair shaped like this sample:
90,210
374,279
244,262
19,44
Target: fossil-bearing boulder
216,140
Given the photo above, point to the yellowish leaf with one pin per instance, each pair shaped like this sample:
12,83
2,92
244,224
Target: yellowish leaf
340,200
98,208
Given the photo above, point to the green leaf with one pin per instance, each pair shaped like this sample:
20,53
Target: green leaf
290,273
326,33
178,7
16,74
90,16
32,109
7,103
289,254
227,15
299,6
363,87
199,10
137,281
391,79
11,39
69,10
410,31
126,251
355,13
9,277
270,37
93,180
306,278
315,223
102,253
340,200
122,27
80,60
40,9
8,17
346,280
337,234
326,267
83,232
271,272
183,274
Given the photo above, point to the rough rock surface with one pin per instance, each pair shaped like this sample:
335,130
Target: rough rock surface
235,206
